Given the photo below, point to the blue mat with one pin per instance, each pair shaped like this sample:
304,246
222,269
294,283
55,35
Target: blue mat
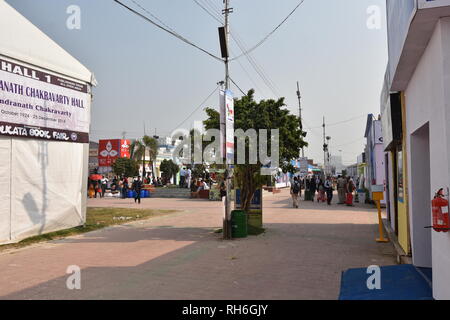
399,282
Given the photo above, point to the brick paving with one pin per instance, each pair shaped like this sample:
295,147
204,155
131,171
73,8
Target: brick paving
178,256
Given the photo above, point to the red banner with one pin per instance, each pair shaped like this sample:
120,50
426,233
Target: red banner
110,150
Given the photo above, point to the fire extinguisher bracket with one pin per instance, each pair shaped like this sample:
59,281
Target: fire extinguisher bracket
440,229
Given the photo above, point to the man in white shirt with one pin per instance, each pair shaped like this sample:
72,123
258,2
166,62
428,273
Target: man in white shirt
329,190
182,177
188,177
104,182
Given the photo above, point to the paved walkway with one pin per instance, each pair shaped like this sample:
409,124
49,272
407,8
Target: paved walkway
178,256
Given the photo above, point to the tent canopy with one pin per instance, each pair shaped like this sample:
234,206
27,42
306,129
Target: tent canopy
23,41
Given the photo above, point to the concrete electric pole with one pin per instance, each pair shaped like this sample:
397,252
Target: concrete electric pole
225,55
300,116
325,149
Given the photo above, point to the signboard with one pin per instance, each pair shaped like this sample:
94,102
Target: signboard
303,166
377,196
227,124
39,105
254,216
256,201
110,150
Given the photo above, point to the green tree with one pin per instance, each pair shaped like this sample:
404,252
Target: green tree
140,148
168,169
151,145
125,167
265,114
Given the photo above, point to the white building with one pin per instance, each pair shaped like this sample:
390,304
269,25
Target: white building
419,70
336,163
375,169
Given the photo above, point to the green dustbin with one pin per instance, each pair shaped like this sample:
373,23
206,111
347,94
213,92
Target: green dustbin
238,224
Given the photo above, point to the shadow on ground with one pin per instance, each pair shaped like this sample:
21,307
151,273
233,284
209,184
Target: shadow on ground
289,261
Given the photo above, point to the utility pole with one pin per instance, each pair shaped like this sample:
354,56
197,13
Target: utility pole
325,149
227,218
328,155
300,115
143,156
226,12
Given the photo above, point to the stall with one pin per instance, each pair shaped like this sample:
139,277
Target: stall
45,106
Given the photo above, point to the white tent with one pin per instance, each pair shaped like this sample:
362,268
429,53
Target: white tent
43,182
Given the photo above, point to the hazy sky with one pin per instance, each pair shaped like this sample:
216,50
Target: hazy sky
147,75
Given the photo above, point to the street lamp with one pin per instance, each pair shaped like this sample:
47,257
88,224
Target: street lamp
327,167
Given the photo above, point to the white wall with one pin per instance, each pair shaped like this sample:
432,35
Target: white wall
5,188
44,186
427,100
392,187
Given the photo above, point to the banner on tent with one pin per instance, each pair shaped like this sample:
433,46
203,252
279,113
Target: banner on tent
39,105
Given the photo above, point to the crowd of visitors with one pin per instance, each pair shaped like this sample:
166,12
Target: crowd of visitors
99,184
321,190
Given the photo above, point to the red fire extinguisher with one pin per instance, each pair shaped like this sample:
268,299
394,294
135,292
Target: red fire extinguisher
440,212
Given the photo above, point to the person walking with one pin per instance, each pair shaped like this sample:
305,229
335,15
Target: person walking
124,188
301,181
321,193
328,185
350,189
96,188
188,177
341,184
312,188
103,182
137,187
307,189
182,177
295,190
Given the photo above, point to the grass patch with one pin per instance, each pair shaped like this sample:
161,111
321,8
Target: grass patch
96,218
255,231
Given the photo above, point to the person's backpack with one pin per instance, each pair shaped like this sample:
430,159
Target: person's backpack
296,188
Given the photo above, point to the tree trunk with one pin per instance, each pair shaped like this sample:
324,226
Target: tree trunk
248,188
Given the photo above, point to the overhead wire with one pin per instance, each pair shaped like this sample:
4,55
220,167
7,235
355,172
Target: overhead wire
168,30
339,122
196,109
237,86
214,12
271,33
252,61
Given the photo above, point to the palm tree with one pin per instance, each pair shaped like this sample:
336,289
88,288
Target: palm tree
152,145
136,150
137,153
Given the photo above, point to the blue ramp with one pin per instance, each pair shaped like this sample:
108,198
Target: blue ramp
400,282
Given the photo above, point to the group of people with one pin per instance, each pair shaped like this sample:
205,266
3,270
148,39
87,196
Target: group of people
323,188
185,177
346,187
197,186
311,185
98,187
119,184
